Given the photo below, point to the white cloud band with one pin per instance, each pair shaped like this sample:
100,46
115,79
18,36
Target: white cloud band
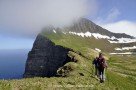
122,27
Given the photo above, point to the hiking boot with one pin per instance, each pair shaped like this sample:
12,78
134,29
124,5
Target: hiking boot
101,81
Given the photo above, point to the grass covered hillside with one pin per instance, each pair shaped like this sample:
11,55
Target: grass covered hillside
79,74
79,43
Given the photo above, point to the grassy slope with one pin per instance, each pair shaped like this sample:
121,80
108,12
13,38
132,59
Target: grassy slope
79,43
120,74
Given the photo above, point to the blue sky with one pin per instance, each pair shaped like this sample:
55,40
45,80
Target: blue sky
15,42
125,7
115,15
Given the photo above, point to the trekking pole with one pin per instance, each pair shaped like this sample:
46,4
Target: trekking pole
92,71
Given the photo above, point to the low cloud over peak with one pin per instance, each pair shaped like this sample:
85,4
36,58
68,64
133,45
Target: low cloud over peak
30,16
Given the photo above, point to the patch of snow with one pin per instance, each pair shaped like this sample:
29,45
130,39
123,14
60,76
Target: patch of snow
81,34
126,53
97,49
54,31
64,32
73,33
111,39
125,48
99,36
123,40
88,34
118,49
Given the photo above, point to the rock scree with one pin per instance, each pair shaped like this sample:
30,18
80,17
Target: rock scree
45,58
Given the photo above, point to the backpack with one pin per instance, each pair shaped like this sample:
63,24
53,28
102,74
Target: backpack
101,63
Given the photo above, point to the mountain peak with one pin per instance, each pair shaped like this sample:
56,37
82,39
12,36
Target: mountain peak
85,25
86,28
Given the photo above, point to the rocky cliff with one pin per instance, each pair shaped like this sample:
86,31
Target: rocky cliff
45,58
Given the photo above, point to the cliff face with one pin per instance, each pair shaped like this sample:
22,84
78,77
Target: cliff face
45,58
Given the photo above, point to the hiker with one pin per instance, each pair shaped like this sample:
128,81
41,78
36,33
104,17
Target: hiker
95,63
101,67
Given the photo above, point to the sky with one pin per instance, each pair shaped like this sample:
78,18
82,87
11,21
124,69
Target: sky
10,43
117,16
20,21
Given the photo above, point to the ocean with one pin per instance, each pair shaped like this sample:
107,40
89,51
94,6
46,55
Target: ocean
12,63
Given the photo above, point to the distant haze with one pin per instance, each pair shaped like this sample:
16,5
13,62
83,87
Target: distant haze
30,16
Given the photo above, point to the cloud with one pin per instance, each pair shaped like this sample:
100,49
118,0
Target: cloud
110,23
112,16
123,26
30,16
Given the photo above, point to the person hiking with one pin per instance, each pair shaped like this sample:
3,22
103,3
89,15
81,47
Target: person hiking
101,66
95,64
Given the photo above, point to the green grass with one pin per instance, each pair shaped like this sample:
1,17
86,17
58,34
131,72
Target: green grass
115,81
120,74
79,43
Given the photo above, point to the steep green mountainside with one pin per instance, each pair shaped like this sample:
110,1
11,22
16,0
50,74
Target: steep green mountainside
79,43
79,74
84,43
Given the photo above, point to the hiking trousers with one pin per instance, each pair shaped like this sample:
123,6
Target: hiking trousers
101,73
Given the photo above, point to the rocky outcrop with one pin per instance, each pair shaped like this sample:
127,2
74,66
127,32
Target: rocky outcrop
45,58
